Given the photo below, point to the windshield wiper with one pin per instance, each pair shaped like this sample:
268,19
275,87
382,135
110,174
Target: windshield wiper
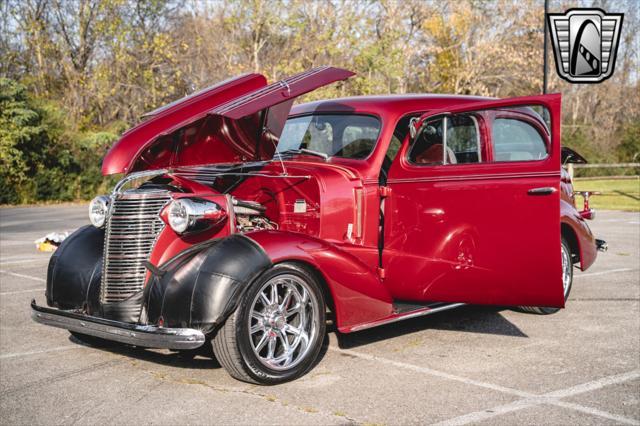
302,151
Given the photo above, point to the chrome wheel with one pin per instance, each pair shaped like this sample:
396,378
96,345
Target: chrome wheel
566,270
283,322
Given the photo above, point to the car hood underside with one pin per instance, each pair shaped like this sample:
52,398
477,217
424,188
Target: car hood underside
234,121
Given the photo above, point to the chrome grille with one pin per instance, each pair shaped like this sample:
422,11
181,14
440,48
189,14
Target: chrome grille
132,230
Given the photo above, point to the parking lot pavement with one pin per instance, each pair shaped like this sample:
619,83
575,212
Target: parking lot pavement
474,365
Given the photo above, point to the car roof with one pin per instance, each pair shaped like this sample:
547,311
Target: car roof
386,104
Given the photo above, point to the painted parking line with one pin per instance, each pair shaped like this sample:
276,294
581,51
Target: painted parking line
610,271
432,372
522,404
43,351
29,277
15,223
553,398
499,410
594,385
23,260
33,290
528,399
18,262
18,257
12,243
595,412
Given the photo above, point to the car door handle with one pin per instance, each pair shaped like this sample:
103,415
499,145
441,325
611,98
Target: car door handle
547,190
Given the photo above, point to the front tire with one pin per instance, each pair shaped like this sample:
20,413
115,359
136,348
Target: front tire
276,333
567,281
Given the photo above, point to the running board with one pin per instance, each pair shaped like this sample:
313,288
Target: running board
404,311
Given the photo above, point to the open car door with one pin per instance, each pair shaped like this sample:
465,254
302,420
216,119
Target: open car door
474,206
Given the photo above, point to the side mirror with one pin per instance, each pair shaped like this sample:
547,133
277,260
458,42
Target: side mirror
569,156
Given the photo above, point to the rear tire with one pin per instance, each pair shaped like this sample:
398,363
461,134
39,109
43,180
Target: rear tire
276,332
567,281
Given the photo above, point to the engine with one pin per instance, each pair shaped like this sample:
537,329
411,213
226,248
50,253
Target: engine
250,216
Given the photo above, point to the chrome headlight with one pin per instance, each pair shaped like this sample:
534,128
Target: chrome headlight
98,210
193,214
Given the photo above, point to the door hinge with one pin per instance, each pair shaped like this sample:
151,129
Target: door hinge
381,272
384,191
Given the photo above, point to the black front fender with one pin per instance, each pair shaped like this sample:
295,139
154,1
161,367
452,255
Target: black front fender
201,289
75,271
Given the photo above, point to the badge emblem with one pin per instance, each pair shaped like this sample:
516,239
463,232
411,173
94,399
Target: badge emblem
585,43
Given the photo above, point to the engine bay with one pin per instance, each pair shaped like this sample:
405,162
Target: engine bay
249,216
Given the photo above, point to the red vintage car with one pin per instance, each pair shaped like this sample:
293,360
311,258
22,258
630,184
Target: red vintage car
244,223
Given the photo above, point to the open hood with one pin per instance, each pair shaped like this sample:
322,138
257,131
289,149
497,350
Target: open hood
234,121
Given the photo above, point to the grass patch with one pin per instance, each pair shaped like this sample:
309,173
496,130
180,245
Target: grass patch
616,194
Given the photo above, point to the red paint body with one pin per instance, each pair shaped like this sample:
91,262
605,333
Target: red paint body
466,233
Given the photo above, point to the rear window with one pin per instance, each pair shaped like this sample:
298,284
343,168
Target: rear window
343,135
517,140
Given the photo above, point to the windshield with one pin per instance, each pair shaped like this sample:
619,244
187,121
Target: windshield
344,135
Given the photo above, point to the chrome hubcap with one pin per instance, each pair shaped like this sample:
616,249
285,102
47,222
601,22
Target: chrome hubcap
566,271
283,322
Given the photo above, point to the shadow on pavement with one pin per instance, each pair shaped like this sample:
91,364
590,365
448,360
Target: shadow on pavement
201,358
470,319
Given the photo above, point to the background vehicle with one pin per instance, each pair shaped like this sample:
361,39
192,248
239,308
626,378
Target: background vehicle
236,228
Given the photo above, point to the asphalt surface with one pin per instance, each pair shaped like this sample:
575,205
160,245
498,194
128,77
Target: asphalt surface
472,365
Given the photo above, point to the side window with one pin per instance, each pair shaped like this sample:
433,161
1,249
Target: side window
463,139
399,134
428,146
516,140
461,144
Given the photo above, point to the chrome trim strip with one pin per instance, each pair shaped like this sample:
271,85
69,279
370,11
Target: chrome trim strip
444,139
185,174
359,219
237,103
147,336
462,177
137,175
407,315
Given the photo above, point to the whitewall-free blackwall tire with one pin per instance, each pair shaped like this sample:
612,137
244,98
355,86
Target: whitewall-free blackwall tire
276,333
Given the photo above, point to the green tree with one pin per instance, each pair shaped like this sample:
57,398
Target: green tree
629,148
22,141
41,159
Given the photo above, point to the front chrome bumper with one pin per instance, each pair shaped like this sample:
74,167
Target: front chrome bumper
147,336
